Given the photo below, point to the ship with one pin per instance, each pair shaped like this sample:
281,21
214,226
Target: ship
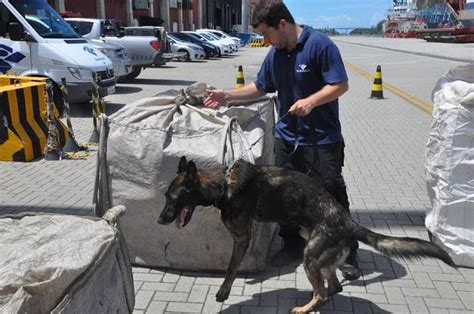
432,20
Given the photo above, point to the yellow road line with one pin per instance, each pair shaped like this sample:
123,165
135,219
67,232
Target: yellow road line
418,103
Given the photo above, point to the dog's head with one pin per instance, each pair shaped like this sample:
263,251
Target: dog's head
182,196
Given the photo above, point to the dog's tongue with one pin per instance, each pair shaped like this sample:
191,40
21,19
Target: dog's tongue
180,219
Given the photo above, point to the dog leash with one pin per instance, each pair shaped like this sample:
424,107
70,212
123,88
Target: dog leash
258,140
231,165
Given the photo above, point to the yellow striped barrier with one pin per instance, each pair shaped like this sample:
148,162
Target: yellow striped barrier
258,42
23,118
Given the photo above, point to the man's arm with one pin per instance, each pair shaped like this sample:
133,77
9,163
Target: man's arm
328,93
218,97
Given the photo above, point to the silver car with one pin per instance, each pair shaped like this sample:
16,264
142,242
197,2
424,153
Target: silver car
189,50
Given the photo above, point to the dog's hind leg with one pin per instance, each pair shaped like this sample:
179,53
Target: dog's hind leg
334,286
319,290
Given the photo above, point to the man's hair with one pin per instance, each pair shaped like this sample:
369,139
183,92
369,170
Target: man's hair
271,12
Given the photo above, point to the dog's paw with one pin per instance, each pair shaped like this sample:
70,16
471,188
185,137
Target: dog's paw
222,294
298,310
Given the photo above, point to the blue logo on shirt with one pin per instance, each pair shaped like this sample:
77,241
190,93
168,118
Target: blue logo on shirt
7,56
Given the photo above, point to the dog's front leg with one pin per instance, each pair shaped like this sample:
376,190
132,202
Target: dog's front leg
241,243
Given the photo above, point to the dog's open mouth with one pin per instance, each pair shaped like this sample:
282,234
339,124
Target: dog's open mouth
183,217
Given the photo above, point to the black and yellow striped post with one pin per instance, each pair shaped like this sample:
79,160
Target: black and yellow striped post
240,78
52,149
377,86
98,107
71,145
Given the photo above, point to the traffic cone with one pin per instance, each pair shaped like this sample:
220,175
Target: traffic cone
377,87
240,78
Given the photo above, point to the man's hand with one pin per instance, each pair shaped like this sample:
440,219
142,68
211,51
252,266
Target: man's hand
217,98
301,108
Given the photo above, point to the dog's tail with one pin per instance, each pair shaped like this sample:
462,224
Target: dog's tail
409,248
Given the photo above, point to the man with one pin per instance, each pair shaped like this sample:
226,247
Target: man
307,71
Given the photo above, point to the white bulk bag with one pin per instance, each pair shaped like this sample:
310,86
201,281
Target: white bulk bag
64,264
450,165
138,159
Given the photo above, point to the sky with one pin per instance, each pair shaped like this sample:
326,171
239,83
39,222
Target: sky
338,13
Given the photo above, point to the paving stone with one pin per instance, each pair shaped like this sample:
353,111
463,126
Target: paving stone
395,295
389,308
423,280
156,307
445,290
170,296
416,305
468,299
420,292
210,305
169,277
447,277
463,286
184,284
198,294
444,304
142,299
158,286
184,307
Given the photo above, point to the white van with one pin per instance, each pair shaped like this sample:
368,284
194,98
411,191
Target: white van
35,40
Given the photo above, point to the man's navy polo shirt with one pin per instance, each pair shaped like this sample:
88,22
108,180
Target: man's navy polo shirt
314,63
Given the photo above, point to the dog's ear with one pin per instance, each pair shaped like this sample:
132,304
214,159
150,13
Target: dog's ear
191,175
182,164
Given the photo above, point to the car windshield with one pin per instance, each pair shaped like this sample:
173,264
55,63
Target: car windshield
175,38
208,37
218,35
44,19
81,27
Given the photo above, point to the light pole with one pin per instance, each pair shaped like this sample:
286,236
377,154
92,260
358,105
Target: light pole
245,16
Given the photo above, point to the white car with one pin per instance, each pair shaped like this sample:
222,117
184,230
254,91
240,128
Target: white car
224,40
116,53
192,51
229,43
221,34
223,48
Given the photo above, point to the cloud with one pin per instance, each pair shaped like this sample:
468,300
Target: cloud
300,20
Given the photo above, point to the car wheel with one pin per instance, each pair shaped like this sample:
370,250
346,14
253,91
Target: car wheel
187,57
135,72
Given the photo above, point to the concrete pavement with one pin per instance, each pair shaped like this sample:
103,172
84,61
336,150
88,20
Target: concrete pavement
385,141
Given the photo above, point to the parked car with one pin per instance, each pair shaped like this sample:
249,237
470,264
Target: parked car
221,34
144,51
37,41
210,50
191,51
116,53
224,40
223,48
159,33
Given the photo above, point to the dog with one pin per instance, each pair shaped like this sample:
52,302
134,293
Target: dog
244,192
